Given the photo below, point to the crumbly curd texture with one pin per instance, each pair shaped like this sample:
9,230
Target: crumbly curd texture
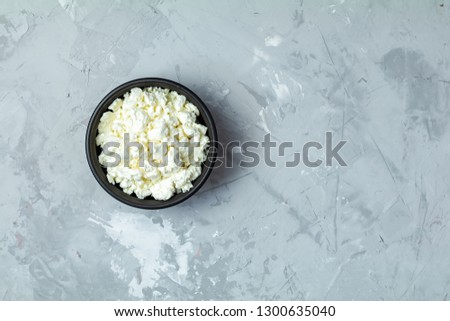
158,119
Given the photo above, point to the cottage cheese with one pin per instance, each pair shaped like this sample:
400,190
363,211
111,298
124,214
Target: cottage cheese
158,119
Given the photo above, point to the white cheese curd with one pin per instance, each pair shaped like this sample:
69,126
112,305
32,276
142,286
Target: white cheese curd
158,119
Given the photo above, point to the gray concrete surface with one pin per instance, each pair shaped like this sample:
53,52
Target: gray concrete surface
375,73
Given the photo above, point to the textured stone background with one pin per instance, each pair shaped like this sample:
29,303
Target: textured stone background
376,73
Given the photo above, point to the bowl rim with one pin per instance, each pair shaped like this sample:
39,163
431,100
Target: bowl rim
92,154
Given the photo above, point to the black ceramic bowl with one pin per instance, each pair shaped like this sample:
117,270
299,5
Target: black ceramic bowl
93,151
